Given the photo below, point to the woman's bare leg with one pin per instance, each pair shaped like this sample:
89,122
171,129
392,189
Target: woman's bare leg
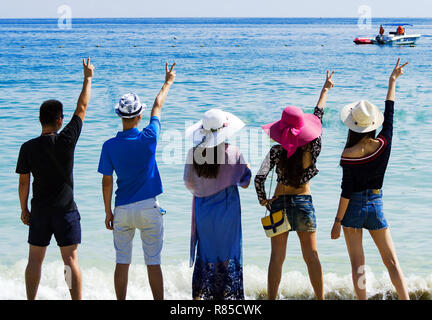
310,256
384,242
354,242
277,259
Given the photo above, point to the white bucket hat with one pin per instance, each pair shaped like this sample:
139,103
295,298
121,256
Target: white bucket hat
129,106
362,116
214,128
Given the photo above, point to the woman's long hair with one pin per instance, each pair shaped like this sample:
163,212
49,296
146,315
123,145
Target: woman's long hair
355,137
210,160
292,168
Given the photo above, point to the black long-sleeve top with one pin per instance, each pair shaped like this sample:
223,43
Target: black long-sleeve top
360,174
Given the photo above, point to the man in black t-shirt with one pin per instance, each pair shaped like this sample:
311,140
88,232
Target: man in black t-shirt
49,159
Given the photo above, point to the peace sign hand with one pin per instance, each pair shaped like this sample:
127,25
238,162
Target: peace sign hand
329,81
170,73
398,70
88,68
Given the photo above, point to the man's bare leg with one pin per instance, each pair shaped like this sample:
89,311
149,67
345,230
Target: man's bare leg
34,270
72,270
156,281
121,276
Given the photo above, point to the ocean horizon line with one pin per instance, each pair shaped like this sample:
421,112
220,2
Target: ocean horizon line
207,17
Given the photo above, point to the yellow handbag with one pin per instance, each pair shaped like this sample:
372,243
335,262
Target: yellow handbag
275,223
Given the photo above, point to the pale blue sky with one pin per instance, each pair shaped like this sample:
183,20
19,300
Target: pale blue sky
214,8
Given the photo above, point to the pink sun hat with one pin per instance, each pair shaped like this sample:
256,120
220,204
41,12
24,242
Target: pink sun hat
294,129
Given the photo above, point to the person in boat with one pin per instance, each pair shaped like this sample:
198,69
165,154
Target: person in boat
380,38
400,31
364,162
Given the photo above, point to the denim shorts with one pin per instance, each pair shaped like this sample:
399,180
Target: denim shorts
66,228
365,210
299,210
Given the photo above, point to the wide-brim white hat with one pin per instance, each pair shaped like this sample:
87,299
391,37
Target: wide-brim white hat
362,116
214,128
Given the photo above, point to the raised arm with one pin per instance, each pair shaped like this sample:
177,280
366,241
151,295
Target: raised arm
170,75
84,97
397,72
326,88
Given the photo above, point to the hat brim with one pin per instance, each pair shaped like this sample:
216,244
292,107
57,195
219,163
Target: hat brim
346,117
312,129
234,125
125,116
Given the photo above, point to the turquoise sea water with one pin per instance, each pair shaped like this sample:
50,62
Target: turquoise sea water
251,67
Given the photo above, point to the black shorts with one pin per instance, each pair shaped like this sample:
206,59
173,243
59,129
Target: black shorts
66,228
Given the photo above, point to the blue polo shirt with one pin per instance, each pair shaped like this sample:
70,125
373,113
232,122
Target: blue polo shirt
132,155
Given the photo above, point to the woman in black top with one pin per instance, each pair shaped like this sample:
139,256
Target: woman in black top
295,164
364,162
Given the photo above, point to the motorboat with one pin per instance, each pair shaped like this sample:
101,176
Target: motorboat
392,38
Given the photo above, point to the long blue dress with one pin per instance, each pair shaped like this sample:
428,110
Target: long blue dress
218,272
216,230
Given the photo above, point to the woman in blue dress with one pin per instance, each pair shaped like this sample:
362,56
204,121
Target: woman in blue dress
213,172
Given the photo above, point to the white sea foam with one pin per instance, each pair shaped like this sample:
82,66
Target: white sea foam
98,284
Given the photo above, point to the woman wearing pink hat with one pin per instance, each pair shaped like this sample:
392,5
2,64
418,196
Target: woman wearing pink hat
299,145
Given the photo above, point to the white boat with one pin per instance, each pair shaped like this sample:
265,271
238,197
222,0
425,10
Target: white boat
392,38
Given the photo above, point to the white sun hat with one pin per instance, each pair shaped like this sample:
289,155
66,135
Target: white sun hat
362,116
129,106
214,128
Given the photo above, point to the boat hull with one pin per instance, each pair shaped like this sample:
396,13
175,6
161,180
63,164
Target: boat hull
402,40
360,41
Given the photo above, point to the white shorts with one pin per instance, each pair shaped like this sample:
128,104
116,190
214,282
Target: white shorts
143,215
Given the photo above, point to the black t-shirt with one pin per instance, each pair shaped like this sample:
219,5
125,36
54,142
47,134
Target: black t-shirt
50,160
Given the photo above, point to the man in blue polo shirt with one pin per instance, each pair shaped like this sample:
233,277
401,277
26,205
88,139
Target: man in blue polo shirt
132,155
